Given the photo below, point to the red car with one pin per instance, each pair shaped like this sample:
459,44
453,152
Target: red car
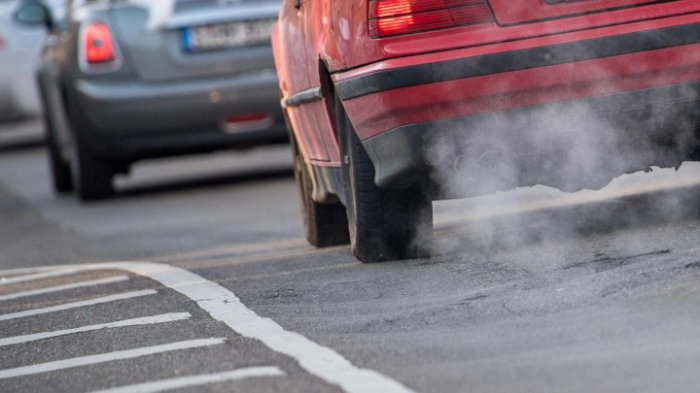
395,103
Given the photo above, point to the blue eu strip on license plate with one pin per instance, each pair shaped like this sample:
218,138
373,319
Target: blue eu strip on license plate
186,41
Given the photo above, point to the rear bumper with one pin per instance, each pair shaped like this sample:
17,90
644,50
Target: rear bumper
570,146
571,114
132,120
129,106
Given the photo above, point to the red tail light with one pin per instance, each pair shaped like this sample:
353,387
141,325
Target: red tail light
394,17
97,44
247,122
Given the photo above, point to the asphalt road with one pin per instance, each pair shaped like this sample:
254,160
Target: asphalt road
196,278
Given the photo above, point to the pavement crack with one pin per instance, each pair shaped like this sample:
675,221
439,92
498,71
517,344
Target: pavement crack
280,294
604,262
471,299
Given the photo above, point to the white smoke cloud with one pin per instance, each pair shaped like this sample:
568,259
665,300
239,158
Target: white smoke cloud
570,146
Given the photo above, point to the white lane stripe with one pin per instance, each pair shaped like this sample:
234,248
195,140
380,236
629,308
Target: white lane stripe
5,274
111,325
224,306
197,380
39,276
107,357
82,284
68,306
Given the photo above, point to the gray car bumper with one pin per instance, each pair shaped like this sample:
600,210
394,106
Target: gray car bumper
131,107
126,120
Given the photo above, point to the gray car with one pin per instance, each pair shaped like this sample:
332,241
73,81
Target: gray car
123,81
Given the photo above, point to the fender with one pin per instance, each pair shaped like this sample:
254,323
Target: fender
328,51
342,34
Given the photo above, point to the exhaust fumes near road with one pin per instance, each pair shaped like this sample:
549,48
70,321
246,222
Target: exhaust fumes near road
569,146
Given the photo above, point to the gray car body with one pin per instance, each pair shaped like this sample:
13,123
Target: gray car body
157,99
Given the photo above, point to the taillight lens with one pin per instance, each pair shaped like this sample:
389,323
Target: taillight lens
97,44
395,17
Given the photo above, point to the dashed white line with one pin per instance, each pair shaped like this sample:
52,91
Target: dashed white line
111,325
68,306
82,284
107,357
197,380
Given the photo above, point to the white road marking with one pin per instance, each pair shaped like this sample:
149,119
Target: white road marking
82,284
23,271
197,380
111,325
68,306
107,357
224,306
38,276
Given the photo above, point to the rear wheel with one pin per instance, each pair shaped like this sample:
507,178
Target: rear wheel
61,176
92,176
324,224
384,224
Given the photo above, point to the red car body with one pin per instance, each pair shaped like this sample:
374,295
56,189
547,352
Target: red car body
431,87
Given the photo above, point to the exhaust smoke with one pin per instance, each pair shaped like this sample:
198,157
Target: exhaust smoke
569,147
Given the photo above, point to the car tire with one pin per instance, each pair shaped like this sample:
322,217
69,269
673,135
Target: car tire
61,176
384,224
92,176
325,224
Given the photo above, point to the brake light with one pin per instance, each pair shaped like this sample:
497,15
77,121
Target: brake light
97,44
247,122
395,17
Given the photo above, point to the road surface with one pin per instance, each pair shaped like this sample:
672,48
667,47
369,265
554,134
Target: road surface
195,277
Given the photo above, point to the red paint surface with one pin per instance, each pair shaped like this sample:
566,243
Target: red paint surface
510,12
335,36
376,113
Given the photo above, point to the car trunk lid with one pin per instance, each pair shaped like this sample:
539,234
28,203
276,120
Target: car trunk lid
509,12
196,38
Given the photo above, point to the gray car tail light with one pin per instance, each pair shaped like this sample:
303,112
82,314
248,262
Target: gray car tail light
98,49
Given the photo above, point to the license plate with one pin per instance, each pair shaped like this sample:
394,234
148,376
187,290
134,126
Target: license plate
227,35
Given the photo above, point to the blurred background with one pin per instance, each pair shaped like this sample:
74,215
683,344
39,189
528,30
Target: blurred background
20,46
106,85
